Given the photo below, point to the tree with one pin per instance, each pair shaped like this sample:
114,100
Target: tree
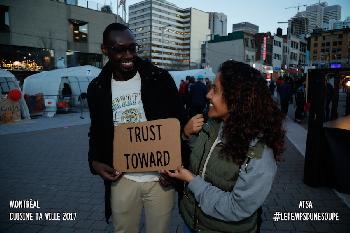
106,9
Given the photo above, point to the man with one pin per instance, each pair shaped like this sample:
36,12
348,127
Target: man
285,93
129,89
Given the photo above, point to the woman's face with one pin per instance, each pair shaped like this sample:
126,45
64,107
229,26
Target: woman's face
217,105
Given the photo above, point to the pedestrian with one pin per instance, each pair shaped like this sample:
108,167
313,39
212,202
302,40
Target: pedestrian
198,92
329,91
299,102
285,93
129,89
272,87
67,95
233,158
207,83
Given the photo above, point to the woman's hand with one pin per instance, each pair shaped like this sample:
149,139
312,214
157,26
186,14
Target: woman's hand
180,173
194,125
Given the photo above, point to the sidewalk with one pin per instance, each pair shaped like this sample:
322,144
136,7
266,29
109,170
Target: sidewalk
45,159
43,123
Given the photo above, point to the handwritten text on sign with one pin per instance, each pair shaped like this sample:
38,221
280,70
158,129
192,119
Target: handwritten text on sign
147,146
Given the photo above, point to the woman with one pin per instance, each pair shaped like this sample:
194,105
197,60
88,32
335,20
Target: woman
233,158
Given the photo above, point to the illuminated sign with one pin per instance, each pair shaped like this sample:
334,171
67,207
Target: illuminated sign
264,49
335,65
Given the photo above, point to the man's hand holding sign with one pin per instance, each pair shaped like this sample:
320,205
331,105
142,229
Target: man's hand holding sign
147,146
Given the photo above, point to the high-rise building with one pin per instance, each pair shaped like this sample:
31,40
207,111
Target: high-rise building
319,14
170,36
315,15
245,27
298,26
331,12
218,23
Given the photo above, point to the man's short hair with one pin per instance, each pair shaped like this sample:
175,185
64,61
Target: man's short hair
113,27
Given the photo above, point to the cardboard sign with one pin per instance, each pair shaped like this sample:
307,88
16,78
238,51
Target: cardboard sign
9,111
147,146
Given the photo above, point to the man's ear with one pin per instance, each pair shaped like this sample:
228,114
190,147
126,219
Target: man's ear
104,49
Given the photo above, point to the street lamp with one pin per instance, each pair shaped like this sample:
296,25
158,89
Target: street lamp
163,30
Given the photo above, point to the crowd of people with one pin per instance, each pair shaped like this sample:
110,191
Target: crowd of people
193,95
290,90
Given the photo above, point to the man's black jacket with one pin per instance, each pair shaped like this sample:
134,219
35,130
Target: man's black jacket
160,100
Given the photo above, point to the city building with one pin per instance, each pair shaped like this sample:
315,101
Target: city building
218,23
296,58
50,34
337,24
330,48
170,37
264,45
277,50
285,52
298,26
331,12
319,14
239,46
245,27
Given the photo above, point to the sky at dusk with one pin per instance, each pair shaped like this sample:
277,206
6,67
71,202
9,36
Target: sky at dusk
264,13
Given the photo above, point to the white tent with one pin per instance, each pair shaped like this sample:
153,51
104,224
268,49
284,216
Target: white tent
50,83
8,82
196,73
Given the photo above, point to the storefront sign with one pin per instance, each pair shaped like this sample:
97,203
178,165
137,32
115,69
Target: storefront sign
147,146
9,111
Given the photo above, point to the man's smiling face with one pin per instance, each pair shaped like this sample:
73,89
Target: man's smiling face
122,51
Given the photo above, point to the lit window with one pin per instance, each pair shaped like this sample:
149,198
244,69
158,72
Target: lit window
80,30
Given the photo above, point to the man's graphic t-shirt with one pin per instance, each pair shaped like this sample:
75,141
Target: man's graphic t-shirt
127,107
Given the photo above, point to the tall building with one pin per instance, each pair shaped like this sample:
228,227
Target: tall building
315,15
331,12
218,23
298,26
319,14
170,36
245,27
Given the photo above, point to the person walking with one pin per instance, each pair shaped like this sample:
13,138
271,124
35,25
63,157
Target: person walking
299,102
285,93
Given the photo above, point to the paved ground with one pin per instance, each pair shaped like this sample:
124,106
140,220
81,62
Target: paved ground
50,166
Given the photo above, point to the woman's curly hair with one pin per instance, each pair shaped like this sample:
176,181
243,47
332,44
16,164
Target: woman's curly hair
253,114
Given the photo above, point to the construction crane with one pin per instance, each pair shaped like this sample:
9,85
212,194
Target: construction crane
298,6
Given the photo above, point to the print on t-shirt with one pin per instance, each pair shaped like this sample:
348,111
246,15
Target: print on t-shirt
124,108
